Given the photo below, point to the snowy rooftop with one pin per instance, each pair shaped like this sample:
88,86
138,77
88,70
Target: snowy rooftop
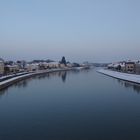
54,63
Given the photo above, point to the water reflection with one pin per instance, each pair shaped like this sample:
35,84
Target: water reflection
62,74
134,86
20,84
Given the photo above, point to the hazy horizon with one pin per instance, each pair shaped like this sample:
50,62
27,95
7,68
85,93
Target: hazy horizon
80,30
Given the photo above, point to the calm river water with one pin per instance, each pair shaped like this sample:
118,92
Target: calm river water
74,105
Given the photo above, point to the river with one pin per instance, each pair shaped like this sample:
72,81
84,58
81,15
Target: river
72,105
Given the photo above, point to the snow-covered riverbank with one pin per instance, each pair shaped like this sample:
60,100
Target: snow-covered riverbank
10,81
119,75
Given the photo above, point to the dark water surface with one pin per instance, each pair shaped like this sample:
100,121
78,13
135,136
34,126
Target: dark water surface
74,105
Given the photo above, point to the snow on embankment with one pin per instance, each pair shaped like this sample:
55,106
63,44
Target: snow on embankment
10,81
25,75
119,75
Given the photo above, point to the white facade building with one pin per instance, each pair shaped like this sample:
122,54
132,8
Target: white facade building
32,67
12,68
54,65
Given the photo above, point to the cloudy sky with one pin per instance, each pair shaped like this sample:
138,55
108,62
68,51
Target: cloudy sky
80,30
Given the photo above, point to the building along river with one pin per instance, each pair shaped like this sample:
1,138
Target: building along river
70,105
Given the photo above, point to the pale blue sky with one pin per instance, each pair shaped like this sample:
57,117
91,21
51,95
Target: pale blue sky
93,30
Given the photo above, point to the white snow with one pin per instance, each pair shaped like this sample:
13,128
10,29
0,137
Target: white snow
7,76
31,74
123,76
15,78
10,75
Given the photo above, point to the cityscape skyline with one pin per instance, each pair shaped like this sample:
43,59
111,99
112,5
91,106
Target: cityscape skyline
95,31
